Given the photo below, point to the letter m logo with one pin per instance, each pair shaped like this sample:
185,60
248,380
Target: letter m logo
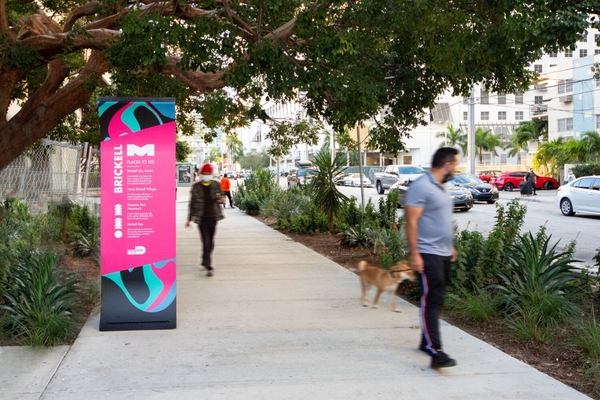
133,150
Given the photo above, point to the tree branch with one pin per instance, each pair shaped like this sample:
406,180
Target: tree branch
50,45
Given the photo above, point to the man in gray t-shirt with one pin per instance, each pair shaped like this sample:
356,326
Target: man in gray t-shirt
430,236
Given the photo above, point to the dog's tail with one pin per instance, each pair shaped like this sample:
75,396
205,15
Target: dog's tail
362,265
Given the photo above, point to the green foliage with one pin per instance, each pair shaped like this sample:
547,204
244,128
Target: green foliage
587,169
256,190
537,285
324,191
182,151
356,237
38,302
254,161
472,307
479,258
344,62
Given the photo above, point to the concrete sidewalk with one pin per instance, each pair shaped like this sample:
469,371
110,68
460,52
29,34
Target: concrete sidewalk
277,321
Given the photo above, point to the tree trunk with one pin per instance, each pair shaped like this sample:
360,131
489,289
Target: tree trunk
53,101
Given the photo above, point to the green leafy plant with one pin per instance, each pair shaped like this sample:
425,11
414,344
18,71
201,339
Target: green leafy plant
472,306
538,278
356,237
38,303
324,191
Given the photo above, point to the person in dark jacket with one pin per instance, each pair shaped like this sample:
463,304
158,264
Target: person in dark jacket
530,177
205,210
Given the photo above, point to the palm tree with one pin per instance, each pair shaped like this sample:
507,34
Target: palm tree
549,155
591,143
326,194
519,141
453,138
485,140
233,146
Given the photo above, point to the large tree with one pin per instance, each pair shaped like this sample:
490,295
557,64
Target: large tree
344,61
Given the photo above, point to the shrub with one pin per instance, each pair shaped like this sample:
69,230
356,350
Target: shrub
38,303
587,169
472,306
537,284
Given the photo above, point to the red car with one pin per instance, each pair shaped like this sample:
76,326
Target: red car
511,180
489,175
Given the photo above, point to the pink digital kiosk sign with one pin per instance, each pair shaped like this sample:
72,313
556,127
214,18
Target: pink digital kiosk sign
138,244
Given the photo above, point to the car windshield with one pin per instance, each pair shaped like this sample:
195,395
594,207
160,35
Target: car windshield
310,172
466,178
412,170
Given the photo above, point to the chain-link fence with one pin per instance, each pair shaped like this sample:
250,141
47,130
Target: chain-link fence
50,171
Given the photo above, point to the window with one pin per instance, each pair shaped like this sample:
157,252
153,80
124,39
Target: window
596,51
465,115
582,53
596,37
583,38
519,98
553,55
501,98
565,124
502,115
538,68
584,183
565,86
485,115
465,100
597,121
568,53
519,115
538,99
485,97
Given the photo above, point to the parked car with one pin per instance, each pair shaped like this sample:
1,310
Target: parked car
393,173
299,177
489,176
462,198
339,179
354,179
511,180
480,190
582,195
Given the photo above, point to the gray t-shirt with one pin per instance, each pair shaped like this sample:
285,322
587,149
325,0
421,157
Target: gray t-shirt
435,235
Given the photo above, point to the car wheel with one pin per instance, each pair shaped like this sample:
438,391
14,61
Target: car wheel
509,187
379,188
566,207
491,201
548,185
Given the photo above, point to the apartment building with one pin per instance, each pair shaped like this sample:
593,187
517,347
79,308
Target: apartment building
565,95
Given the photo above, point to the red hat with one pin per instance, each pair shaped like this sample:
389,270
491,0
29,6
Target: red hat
206,169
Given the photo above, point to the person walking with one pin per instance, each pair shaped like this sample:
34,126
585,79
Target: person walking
530,177
430,235
205,210
226,188
570,176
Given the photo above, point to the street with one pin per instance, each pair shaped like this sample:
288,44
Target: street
541,209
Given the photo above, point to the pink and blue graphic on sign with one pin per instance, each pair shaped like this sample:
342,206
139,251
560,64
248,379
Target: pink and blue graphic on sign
138,243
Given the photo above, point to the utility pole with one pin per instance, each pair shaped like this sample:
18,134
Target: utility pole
471,132
360,168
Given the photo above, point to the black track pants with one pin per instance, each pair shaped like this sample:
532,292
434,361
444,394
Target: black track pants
207,227
434,280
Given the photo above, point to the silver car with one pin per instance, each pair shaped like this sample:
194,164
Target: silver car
580,196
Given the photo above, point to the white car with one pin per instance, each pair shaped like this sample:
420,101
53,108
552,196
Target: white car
582,195
354,180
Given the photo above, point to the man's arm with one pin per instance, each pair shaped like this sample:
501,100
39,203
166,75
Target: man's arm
413,214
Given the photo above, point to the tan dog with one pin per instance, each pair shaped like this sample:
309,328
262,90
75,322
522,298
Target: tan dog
383,280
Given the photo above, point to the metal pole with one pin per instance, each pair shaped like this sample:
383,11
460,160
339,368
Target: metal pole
471,132
88,153
360,169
